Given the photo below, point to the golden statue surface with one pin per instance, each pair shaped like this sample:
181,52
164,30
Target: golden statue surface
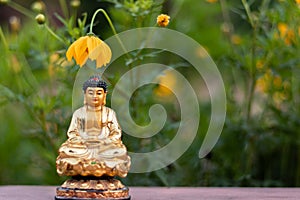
93,153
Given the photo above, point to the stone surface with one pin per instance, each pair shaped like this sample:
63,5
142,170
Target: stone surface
163,193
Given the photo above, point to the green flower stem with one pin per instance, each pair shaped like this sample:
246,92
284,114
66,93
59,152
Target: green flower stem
53,34
114,31
21,9
2,37
248,11
64,8
110,24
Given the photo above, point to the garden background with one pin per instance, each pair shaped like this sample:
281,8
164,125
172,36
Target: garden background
255,45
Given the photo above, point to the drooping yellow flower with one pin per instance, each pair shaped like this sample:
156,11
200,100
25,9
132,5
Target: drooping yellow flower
90,47
163,20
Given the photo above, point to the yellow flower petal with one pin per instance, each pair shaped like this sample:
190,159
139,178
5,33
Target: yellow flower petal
80,49
70,52
92,43
102,54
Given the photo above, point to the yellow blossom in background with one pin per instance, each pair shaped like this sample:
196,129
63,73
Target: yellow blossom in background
90,47
162,91
262,85
297,2
53,59
286,33
268,75
15,64
211,1
260,65
290,37
56,60
277,81
168,79
163,20
278,98
236,39
201,52
286,85
283,28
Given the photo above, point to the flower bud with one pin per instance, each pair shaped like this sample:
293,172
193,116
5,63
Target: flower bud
75,3
15,24
38,6
4,1
40,19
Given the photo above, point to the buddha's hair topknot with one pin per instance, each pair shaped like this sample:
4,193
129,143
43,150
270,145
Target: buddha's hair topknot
94,81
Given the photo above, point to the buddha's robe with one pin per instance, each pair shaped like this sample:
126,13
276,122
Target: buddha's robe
94,146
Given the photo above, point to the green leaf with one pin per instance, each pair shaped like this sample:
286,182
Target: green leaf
6,95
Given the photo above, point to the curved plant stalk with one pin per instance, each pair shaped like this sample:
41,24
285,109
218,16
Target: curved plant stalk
53,34
110,24
21,9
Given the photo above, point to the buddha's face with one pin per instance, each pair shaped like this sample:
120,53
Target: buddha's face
95,96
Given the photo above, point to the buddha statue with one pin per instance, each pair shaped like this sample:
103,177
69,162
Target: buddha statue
93,153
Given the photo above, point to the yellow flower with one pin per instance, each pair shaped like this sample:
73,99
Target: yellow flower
278,98
283,29
286,33
286,85
262,85
90,47
167,83
163,20
298,2
211,1
277,81
236,39
290,37
53,59
260,64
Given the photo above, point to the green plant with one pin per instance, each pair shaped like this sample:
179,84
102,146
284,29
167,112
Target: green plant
255,45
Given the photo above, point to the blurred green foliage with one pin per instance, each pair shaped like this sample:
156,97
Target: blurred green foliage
255,45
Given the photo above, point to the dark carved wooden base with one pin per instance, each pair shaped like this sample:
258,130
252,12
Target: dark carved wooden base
96,189
75,198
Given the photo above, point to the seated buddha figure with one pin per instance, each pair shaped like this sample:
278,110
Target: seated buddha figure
94,146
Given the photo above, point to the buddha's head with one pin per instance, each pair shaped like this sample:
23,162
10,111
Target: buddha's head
95,91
